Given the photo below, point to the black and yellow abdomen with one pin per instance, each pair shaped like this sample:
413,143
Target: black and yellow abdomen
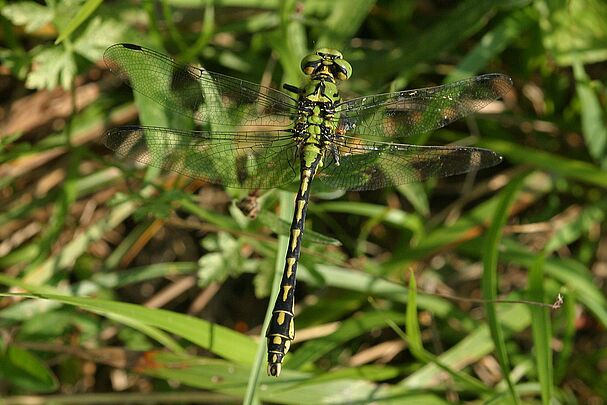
282,329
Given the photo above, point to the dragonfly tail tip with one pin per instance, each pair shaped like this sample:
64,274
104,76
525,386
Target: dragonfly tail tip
274,369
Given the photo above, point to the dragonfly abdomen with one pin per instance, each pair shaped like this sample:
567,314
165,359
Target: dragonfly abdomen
281,330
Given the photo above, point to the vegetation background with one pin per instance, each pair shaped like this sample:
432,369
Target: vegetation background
120,284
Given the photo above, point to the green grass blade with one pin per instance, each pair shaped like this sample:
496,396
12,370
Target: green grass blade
389,215
414,338
542,330
343,21
570,317
492,44
465,19
566,167
83,13
373,285
476,345
569,272
489,279
592,114
122,278
218,339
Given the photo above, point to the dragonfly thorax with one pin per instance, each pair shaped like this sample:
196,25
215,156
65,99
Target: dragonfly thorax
321,91
316,111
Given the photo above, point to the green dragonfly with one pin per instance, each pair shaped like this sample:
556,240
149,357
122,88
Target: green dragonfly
257,137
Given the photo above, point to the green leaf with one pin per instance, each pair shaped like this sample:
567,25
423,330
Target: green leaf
33,15
25,370
574,31
83,13
91,45
52,67
224,259
593,115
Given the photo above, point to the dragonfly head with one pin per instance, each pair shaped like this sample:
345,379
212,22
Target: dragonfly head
327,62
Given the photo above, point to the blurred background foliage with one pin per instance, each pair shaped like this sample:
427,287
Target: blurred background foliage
122,281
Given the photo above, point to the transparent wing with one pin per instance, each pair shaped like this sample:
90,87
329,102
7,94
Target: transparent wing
412,112
368,165
263,159
197,93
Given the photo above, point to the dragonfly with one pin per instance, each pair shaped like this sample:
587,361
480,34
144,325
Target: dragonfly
256,137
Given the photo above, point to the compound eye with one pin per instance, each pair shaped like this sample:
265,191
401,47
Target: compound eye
310,63
343,69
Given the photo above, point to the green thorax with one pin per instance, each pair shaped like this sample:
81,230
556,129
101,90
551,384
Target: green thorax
318,98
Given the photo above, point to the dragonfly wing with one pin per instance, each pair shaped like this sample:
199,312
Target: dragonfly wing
369,165
252,159
413,112
198,93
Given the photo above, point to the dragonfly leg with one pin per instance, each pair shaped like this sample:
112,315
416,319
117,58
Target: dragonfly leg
292,89
335,153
